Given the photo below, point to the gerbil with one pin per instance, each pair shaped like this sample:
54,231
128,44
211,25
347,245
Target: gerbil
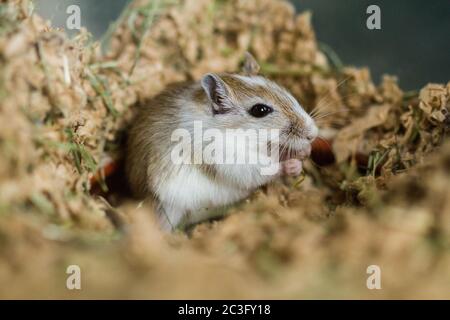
185,193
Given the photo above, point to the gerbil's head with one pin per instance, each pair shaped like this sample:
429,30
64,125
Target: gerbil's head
253,102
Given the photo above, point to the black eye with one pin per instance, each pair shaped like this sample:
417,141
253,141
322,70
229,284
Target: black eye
260,110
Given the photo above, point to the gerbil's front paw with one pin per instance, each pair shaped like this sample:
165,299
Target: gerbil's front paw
292,167
304,153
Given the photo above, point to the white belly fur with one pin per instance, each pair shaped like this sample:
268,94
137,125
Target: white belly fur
189,196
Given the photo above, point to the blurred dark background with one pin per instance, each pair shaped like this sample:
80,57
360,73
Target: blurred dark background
413,43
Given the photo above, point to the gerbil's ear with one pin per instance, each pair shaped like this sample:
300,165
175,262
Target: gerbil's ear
250,67
217,92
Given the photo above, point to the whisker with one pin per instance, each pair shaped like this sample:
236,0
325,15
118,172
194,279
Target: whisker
286,147
321,109
329,114
327,105
328,93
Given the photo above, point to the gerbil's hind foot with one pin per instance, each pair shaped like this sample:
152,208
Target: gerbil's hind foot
292,167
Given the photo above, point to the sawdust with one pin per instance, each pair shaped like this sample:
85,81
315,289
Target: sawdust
65,105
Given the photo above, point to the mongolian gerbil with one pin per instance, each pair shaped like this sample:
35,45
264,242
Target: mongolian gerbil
184,191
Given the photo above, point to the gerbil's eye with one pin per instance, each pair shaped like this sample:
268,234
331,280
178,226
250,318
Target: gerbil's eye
260,110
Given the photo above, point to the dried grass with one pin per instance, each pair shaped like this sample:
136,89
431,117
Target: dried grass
64,108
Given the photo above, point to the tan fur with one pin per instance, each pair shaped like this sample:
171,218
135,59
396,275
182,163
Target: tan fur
150,134
152,126
277,95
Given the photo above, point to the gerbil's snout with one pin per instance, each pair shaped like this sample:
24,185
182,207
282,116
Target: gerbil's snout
303,131
312,132
310,137
298,139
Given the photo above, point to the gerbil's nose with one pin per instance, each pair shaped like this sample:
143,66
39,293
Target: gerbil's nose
312,133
